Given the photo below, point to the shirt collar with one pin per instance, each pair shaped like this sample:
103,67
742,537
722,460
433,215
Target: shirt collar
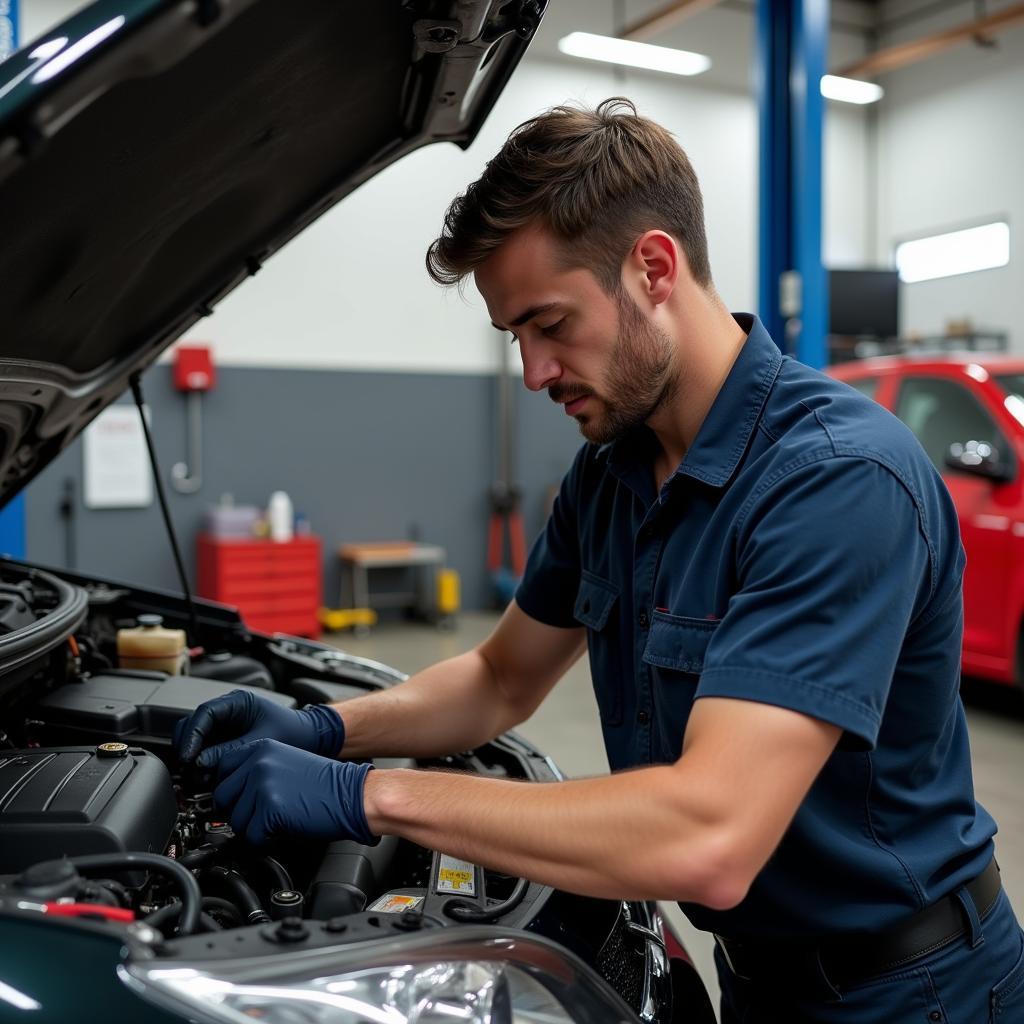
725,433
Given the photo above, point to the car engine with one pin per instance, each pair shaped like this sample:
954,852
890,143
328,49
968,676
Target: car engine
100,824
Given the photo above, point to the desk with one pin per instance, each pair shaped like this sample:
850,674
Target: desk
358,559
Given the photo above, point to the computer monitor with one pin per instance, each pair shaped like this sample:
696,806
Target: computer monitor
864,302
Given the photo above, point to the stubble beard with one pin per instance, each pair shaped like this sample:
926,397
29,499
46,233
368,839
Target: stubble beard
640,378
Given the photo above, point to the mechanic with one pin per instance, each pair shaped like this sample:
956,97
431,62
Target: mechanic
766,571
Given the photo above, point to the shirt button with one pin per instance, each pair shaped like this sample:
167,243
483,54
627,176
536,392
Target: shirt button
643,717
643,620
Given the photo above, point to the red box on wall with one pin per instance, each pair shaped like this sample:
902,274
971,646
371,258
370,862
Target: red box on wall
275,585
193,368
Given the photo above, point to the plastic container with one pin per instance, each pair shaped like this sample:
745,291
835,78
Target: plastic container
151,647
227,522
280,516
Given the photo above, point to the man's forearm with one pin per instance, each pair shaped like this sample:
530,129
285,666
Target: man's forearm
633,835
452,706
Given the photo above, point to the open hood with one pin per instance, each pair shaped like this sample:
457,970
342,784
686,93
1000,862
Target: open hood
153,154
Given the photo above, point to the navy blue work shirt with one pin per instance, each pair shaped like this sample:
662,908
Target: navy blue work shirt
804,554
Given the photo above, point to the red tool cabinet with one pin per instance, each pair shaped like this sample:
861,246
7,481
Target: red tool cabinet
275,585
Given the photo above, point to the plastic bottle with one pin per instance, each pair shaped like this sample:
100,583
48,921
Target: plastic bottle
151,647
279,514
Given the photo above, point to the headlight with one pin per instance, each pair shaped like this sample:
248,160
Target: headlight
430,978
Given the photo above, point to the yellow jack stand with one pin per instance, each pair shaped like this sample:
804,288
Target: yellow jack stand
362,620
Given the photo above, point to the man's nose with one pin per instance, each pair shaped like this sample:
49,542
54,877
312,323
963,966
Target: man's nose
540,369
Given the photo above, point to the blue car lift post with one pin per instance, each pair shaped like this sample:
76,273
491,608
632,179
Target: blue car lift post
12,517
792,53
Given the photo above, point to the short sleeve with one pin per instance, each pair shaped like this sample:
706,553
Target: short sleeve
833,564
548,589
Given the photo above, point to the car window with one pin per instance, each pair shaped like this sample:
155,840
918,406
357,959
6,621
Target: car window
865,385
941,412
1012,384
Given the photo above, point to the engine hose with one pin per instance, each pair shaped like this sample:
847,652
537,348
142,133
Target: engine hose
468,913
281,877
191,896
172,911
242,893
214,904
199,857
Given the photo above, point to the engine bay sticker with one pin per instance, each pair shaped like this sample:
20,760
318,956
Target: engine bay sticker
395,903
456,876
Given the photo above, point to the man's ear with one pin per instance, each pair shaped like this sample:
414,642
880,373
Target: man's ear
655,263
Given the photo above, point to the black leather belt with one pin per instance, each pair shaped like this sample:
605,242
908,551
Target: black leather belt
846,959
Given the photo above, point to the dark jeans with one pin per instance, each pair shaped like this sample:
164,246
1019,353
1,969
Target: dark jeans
956,985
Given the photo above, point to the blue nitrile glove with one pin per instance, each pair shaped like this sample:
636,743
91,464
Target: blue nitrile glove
239,717
268,789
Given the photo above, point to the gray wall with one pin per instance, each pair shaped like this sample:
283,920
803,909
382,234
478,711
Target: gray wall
367,456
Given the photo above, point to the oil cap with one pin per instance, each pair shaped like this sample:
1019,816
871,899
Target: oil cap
285,903
112,750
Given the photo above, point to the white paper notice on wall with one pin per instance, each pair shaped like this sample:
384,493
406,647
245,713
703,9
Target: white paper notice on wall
116,467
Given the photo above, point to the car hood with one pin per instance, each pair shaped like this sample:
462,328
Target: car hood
153,154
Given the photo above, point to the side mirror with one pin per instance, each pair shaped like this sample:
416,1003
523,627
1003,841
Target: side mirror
979,458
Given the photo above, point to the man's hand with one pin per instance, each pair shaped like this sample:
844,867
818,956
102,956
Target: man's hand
268,789
240,717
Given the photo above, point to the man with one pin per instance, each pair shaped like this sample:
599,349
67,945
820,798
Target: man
766,571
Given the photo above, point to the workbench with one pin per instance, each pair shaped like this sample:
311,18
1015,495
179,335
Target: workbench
359,560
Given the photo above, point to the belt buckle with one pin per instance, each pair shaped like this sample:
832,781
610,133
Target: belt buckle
721,944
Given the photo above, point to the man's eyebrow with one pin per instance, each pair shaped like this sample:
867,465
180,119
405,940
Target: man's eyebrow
528,315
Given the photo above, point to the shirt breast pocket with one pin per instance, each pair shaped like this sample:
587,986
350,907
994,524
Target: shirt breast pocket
595,602
675,651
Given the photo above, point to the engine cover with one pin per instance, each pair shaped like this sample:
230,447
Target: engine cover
68,801
125,704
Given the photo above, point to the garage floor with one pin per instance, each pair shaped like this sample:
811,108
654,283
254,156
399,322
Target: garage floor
566,727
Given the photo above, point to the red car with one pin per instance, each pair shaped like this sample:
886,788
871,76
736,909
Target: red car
967,410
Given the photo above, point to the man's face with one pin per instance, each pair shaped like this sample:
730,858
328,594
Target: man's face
597,355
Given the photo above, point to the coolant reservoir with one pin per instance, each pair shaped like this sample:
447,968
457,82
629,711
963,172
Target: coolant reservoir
152,647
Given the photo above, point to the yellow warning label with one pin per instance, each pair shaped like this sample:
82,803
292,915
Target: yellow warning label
456,876
395,903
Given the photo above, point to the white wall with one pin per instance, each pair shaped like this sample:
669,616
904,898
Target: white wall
950,154
351,291
846,238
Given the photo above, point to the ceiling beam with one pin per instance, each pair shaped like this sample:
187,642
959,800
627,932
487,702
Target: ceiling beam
894,57
664,18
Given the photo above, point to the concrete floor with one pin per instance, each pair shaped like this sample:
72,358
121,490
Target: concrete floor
566,728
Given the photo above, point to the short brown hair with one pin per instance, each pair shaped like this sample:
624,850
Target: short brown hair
597,179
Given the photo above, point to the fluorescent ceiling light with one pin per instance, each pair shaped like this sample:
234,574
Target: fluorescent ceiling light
850,90
956,252
634,55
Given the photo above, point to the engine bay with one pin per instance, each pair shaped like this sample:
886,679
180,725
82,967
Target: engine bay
100,826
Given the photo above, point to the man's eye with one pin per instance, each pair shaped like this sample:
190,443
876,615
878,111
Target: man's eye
554,328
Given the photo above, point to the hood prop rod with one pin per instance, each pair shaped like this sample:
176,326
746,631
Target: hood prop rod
136,384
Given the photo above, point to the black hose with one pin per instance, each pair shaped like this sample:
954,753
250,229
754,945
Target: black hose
172,911
191,896
214,904
198,857
242,893
281,877
468,913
